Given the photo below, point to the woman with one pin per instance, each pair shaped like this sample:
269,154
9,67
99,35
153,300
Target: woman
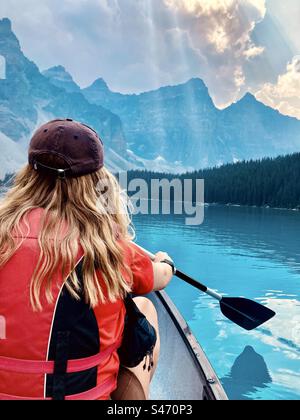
66,264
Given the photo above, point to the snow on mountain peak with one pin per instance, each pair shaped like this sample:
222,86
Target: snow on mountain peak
12,157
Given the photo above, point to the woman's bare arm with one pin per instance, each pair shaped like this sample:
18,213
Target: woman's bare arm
163,273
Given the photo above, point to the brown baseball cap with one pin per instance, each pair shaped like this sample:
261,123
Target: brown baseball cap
78,145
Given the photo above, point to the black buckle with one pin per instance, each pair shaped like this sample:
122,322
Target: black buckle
61,173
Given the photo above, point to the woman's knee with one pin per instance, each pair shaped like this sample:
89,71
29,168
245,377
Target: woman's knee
147,308
144,376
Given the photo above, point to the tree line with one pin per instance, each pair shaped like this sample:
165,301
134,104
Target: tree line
273,182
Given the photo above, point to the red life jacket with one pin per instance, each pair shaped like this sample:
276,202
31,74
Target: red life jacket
53,354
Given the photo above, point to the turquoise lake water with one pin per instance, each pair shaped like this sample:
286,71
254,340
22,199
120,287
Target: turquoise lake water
247,252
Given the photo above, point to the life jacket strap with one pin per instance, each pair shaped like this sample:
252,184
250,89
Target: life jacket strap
93,394
47,368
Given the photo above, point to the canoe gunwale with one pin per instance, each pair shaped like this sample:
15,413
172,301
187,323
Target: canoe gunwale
213,389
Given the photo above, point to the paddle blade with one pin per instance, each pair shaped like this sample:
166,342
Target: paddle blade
245,313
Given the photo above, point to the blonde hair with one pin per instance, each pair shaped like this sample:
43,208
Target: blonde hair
87,211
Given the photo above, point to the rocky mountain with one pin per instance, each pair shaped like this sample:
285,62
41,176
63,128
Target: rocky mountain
62,79
181,124
174,128
252,130
12,156
17,93
172,122
29,98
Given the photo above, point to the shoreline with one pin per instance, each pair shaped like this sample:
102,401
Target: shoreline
4,188
295,210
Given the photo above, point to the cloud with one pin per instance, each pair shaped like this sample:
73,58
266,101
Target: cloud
239,77
288,378
285,94
287,16
138,45
283,332
219,31
253,51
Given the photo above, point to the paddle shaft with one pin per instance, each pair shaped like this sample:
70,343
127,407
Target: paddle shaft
245,313
189,280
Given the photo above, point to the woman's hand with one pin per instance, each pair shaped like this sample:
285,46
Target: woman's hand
163,273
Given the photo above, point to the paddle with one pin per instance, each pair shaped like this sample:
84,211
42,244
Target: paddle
243,312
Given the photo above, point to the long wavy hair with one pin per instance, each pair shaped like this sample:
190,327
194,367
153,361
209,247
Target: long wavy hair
87,211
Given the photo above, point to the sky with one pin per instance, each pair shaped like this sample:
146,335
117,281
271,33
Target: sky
235,46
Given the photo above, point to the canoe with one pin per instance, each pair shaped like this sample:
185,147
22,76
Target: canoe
184,372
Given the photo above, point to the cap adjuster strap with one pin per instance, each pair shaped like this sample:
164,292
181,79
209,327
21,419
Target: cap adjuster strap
61,173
